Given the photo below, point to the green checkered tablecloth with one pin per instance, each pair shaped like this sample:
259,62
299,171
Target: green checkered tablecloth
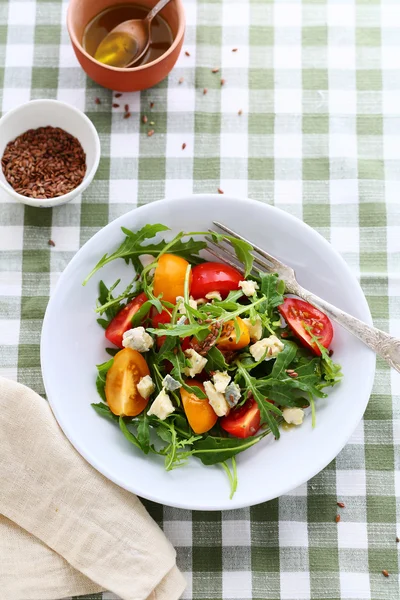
308,120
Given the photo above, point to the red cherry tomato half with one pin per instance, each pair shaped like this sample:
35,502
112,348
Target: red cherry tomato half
244,421
214,277
298,313
162,318
123,320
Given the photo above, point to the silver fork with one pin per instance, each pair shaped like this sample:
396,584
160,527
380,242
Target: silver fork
383,344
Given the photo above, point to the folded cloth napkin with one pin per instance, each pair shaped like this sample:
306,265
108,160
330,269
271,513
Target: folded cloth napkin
64,529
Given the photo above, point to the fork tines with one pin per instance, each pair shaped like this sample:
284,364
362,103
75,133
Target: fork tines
224,252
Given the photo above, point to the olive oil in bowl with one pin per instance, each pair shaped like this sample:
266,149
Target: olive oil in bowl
104,22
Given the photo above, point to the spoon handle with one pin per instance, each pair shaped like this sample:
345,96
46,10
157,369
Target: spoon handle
156,9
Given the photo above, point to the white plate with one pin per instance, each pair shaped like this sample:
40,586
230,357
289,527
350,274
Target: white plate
73,343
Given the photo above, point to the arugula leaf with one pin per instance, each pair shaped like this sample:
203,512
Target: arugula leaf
112,351
251,384
128,434
285,397
271,288
178,330
284,359
216,360
143,432
104,324
104,411
332,372
101,378
212,450
133,246
243,251
111,306
143,311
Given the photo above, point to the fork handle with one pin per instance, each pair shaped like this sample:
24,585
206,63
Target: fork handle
383,344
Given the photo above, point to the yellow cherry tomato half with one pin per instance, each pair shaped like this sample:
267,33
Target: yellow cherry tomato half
228,341
200,414
122,394
169,277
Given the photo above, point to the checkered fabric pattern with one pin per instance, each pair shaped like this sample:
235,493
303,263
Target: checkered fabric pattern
308,119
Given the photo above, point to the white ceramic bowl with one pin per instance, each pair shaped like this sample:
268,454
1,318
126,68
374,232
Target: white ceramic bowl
73,343
41,113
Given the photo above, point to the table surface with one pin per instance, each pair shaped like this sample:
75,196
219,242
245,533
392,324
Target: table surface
318,87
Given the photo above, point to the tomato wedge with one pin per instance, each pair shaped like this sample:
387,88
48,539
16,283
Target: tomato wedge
214,277
244,421
122,395
228,341
169,277
298,313
200,413
123,320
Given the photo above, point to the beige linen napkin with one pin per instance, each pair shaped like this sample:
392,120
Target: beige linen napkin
65,529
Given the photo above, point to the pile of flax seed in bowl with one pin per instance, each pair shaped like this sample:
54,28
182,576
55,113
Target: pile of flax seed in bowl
44,163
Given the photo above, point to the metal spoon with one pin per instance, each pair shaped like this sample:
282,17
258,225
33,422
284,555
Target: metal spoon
128,42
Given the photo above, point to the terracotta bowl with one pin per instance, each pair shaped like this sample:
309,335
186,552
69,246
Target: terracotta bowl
80,12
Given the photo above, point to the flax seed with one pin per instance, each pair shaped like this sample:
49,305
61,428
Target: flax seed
118,95
341,504
385,573
115,105
183,146
337,518
144,119
187,53
44,163
150,133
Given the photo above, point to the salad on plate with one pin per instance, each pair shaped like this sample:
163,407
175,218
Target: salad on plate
205,359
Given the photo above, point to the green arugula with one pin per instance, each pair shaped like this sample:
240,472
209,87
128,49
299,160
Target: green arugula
243,250
212,450
133,246
104,411
102,371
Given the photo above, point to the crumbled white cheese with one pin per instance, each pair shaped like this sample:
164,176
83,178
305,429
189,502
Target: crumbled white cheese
270,345
201,301
293,416
197,363
182,320
221,380
248,287
145,387
214,296
170,383
216,399
255,329
232,394
137,339
162,406
181,304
